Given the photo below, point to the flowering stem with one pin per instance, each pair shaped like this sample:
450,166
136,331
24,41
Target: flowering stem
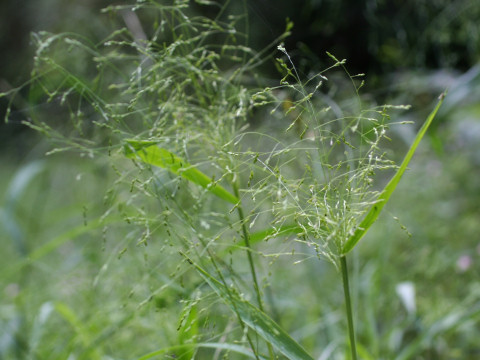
246,237
348,305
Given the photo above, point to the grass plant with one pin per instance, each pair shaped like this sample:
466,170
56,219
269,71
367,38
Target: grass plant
189,142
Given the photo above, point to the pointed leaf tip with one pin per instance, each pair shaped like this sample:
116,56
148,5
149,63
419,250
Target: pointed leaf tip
384,196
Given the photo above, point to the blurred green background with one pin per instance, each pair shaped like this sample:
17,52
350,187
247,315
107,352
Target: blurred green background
428,240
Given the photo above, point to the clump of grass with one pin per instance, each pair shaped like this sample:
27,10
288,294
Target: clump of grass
170,110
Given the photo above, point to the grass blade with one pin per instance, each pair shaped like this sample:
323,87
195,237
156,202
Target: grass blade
188,329
272,233
83,333
226,346
384,196
13,195
257,320
267,234
150,153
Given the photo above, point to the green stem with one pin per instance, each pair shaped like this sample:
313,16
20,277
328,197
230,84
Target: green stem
348,305
246,236
242,324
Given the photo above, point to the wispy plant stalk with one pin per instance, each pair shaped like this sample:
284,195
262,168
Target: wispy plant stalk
348,306
246,237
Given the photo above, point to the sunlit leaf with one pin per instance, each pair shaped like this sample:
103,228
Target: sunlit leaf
384,196
275,232
182,348
151,154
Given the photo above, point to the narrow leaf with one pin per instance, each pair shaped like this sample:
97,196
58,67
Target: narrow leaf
81,330
150,153
188,330
283,230
384,196
257,320
180,348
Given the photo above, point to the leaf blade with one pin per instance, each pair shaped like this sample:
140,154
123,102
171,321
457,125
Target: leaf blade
384,196
272,233
224,346
151,154
256,319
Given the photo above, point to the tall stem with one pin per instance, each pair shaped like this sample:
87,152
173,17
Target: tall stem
246,237
348,305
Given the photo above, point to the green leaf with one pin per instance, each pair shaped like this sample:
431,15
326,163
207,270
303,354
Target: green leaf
150,153
256,319
13,195
384,196
82,332
260,235
188,329
181,348
283,230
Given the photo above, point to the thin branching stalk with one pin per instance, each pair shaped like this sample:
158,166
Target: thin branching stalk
250,342
251,263
348,305
246,237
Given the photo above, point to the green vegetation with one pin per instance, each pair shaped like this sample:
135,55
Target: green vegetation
190,208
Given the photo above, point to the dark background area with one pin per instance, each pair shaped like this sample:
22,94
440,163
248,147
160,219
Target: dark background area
375,36
378,38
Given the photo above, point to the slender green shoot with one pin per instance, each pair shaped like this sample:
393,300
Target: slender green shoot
251,264
256,319
348,305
